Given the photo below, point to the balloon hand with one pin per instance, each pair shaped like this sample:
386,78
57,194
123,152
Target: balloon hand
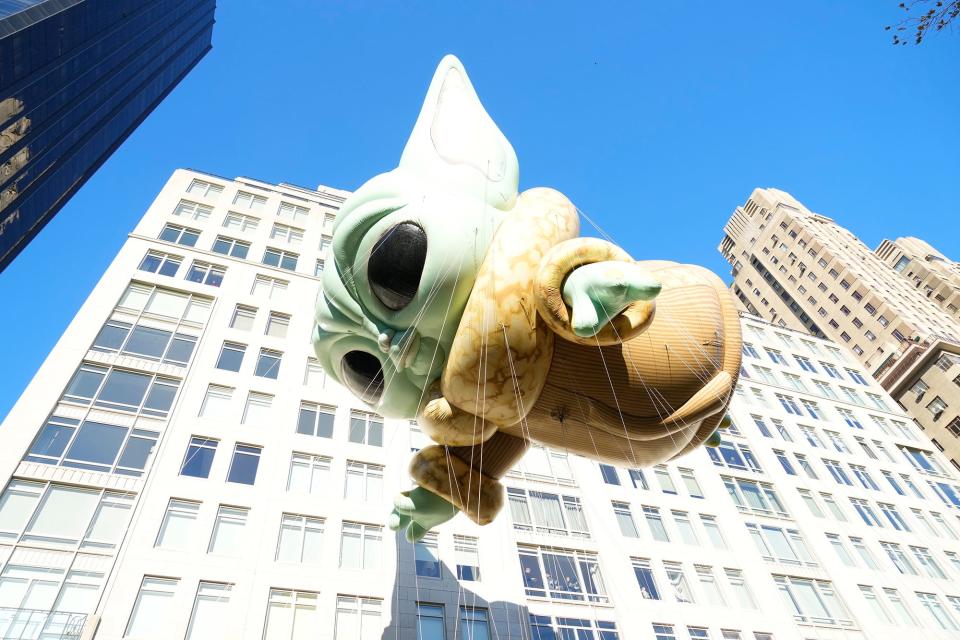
597,292
417,511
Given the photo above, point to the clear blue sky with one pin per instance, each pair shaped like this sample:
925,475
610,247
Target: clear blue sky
656,118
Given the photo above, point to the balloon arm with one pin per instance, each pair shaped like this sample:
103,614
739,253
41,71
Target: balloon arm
598,292
417,511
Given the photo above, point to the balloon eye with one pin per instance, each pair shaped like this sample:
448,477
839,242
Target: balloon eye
396,264
362,374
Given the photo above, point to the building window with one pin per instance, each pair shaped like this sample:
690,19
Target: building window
360,546
251,201
366,428
867,514
180,235
158,262
328,220
900,607
358,618
544,465
94,446
281,259
316,420
937,406
324,246
243,467
277,325
199,457
145,342
734,456
192,210
898,558
152,609
300,539
318,268
268,364
740,588
291,615
713,531
776,356
269,288
313,375
609,473
840,549
243,317
778,544
664,480
931,602
179,527
286,233
664,632
231,247
206,273
709,585
922,554
293,212
625,519
364,481
227,538
121,390
204,189
690,482
210,608
474,624
216,402
257,409
655,522
231,356
570,575
645,579
551,513
546,628
308,473
63,515
755,497
467,557
678,582
426,559
240,222
430,622
812,601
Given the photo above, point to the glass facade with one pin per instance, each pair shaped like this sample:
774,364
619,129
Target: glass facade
76,78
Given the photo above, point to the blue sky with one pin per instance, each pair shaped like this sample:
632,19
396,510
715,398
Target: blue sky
656,118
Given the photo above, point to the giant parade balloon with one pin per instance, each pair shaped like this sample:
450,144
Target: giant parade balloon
483,313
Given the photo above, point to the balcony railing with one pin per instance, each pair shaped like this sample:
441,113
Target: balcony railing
40,624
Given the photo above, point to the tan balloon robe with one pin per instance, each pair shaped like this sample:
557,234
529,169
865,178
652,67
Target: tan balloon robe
651,386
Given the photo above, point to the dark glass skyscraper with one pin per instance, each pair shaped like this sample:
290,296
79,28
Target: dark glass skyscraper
76,78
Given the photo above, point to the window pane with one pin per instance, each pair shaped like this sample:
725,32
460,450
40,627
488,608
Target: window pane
152,610
97,443
199,458
227,537
124,388
178,529
147,341
210,608
17,504
245,462
65,512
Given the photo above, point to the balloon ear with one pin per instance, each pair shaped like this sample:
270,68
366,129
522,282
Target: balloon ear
456,143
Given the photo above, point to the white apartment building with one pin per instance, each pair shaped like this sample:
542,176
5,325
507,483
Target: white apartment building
180,468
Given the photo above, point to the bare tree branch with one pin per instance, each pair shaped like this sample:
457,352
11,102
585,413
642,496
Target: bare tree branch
925,16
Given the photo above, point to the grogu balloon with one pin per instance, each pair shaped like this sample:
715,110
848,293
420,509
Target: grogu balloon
479,311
